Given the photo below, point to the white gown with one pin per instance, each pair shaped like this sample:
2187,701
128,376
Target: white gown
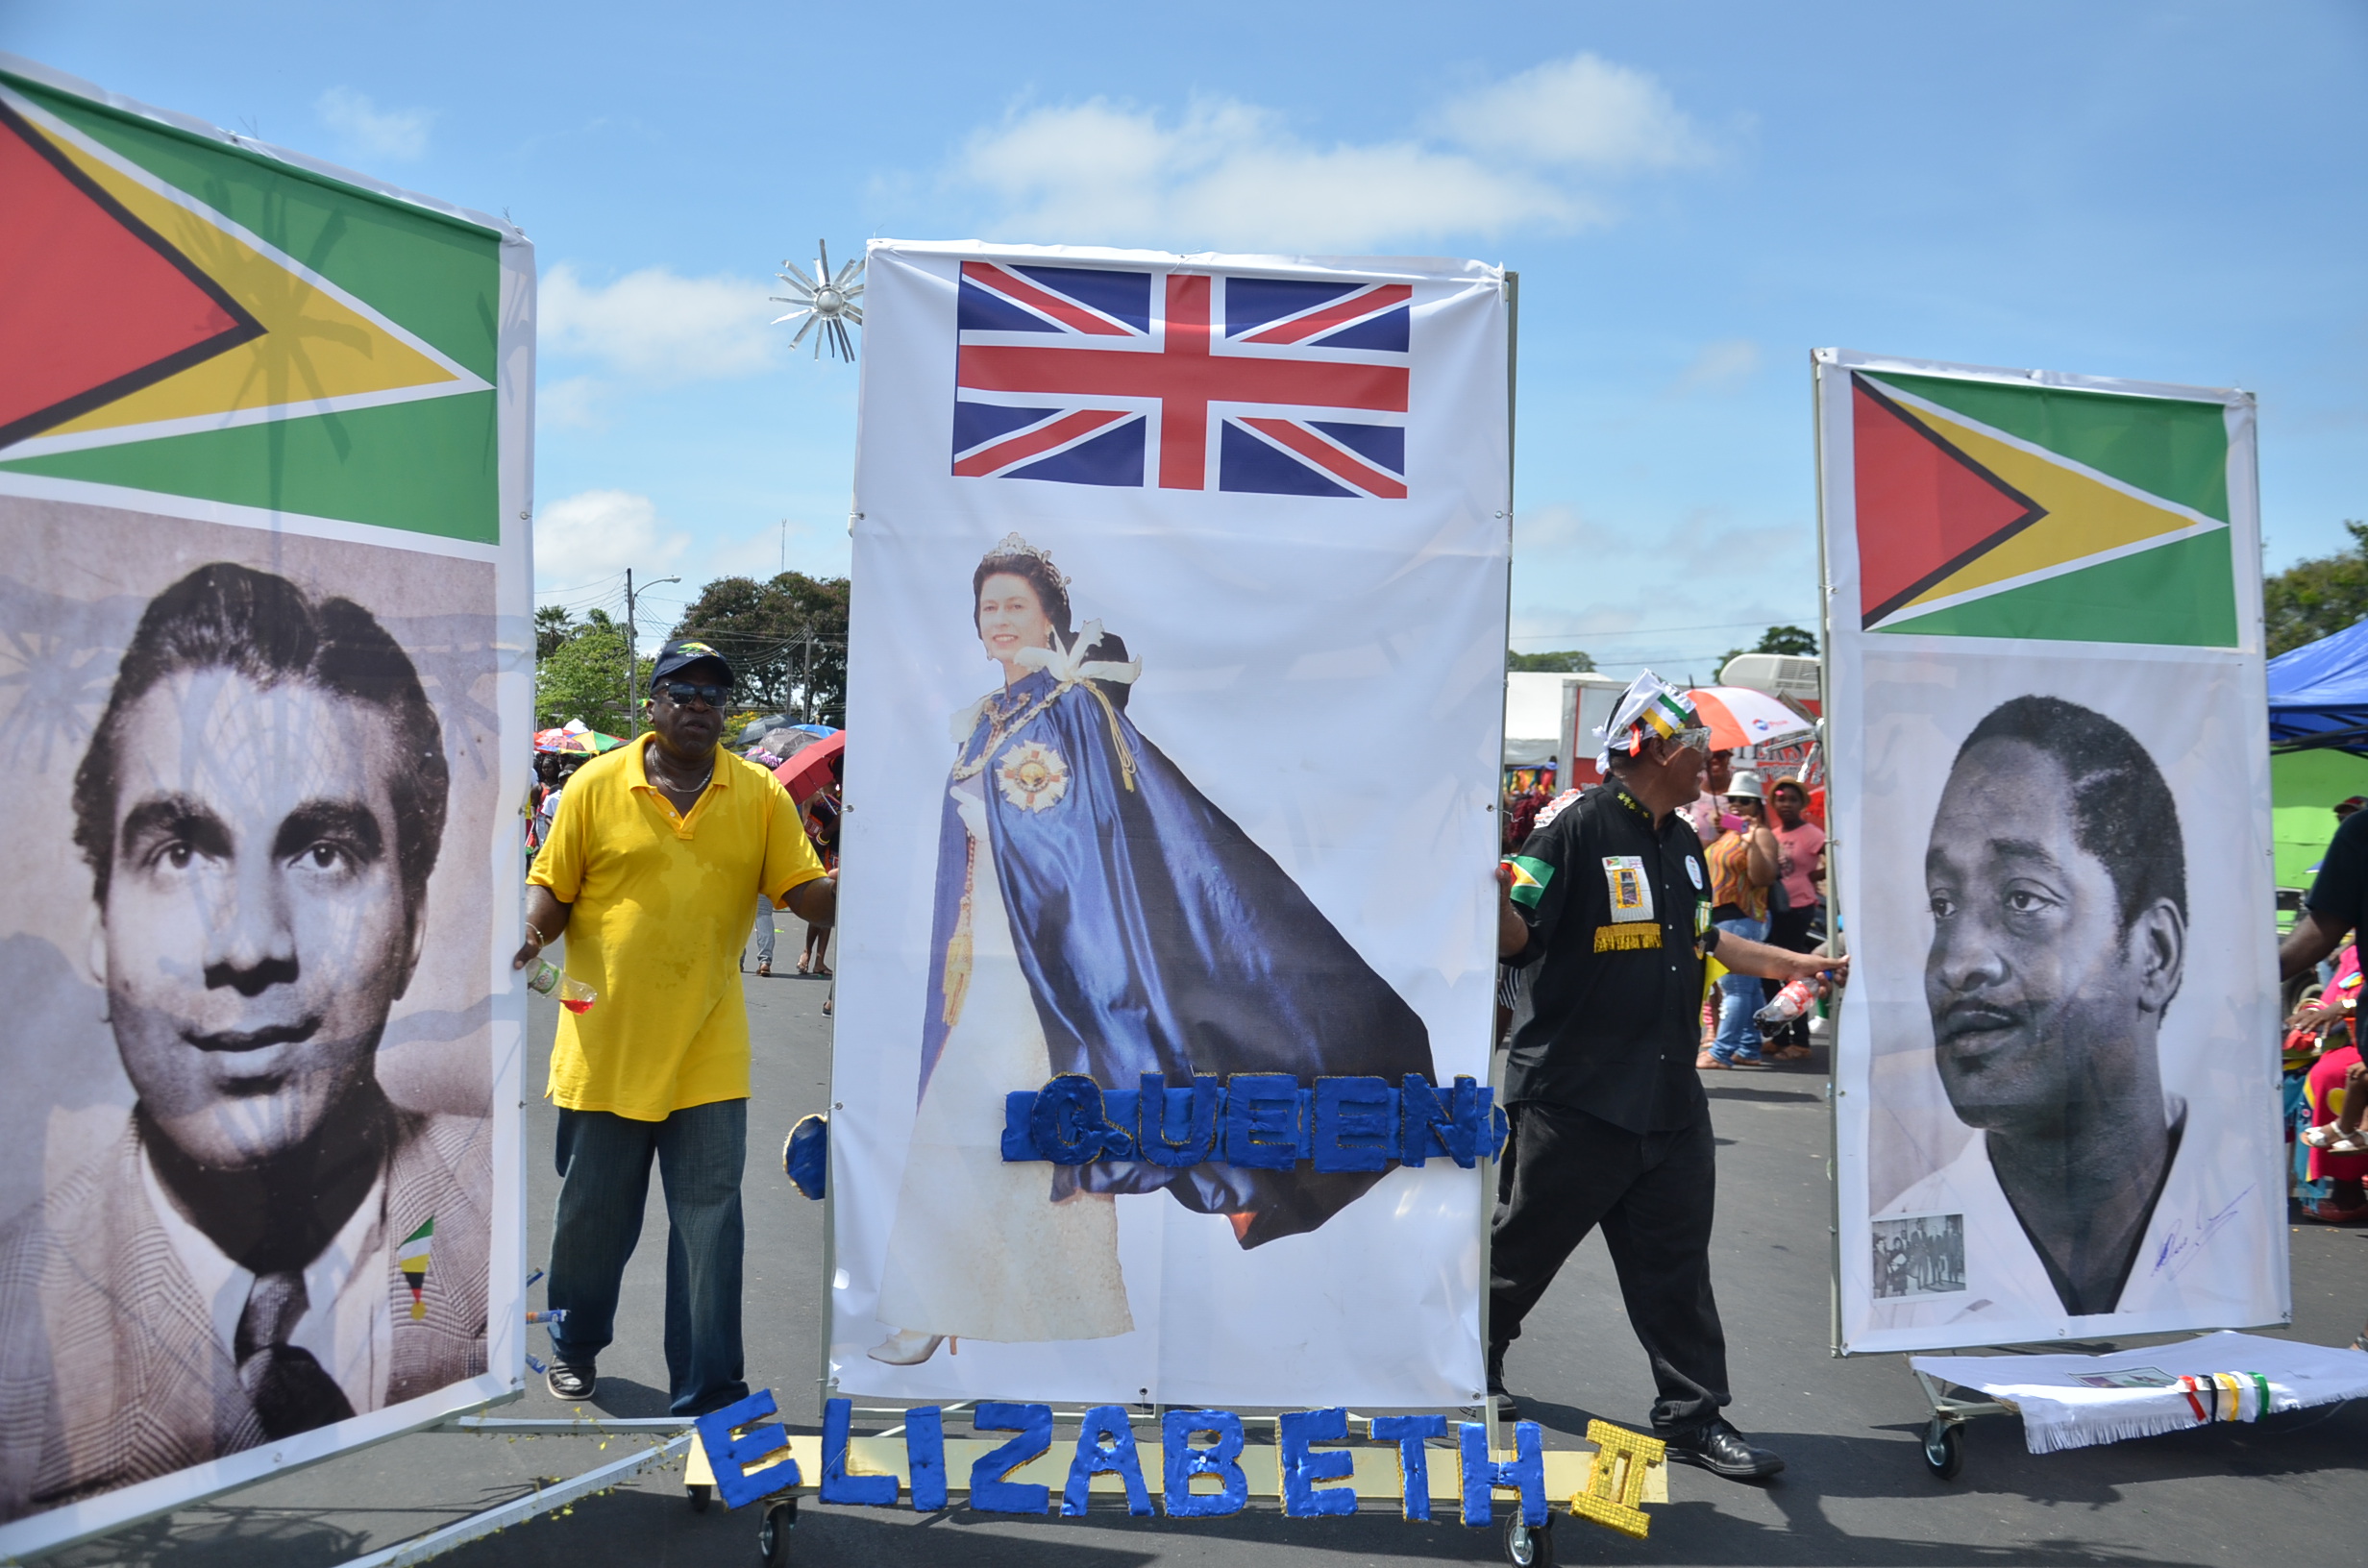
978,1250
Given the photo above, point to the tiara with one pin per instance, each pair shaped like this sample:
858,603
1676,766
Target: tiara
1012,544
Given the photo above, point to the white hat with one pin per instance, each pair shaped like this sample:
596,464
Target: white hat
1650,706
1746,784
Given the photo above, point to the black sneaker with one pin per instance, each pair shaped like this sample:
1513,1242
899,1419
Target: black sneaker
1718,1448
570,1383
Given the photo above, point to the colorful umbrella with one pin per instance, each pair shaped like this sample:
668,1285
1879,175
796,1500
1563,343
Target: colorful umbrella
573,739
1738,717
812,768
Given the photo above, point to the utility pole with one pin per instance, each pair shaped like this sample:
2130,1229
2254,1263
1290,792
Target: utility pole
632,654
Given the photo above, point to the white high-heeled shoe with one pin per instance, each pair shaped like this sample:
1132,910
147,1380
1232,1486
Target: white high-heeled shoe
906,1347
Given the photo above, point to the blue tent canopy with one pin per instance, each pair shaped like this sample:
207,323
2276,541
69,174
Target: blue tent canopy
2318,694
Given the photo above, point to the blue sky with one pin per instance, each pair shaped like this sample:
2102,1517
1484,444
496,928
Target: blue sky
1695,195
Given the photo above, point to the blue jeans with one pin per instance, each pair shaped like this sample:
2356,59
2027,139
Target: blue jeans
1740,996
604,1162
764,932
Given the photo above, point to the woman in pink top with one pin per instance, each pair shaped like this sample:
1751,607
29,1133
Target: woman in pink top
1800,845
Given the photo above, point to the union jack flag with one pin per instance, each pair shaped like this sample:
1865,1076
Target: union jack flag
1085,376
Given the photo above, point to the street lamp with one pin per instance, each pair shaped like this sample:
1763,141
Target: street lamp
632,650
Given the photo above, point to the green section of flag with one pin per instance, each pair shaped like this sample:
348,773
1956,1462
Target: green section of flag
430,467
1530,877
2182,593
2164,446
435,275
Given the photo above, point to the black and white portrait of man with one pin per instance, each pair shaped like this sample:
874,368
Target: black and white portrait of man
268,1243
2056,881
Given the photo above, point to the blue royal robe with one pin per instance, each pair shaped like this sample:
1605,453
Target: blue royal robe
1156,937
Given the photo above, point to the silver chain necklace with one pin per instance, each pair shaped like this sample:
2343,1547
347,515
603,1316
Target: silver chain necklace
687,789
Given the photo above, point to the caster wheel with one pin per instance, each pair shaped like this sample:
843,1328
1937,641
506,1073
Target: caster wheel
773,1535
1945,1450
700,1496
1529,1546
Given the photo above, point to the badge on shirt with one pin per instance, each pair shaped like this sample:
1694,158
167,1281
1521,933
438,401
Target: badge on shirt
1632,896
1032,776
1530,875
1693,869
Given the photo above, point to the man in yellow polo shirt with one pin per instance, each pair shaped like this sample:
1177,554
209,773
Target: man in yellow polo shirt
655,854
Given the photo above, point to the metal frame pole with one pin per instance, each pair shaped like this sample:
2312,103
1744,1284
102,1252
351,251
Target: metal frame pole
1835,852
478,1525
1490,1175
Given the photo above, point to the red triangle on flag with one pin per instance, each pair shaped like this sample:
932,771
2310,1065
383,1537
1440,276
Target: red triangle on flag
93,303
1924,507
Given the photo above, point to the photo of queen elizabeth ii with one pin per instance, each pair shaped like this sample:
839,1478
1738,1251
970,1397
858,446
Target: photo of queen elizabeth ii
1097,913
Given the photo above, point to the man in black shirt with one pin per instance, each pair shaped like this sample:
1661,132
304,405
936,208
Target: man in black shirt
1608,909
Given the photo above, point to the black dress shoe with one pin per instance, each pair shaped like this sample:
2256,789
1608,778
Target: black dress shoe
1718,1448
1505,1407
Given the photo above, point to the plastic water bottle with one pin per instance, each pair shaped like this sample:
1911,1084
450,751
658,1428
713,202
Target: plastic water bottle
549,980
1789,1003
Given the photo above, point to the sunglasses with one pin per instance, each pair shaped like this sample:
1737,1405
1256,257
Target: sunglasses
683,692
1692,740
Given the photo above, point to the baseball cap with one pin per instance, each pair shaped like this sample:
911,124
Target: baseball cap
677,656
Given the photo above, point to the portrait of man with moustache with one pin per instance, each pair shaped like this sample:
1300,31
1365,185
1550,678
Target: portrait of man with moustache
269,1245
2056,880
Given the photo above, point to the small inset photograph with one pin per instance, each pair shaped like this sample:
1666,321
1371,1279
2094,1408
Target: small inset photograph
1921,1255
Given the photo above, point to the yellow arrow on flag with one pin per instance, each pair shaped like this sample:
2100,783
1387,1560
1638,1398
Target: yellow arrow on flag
321,348
2085,515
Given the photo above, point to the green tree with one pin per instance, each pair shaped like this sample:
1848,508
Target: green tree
1793,640
583,678
1569,661
553,625
2317,597
786,638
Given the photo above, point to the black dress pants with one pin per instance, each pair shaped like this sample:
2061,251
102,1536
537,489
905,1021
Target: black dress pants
1653,1194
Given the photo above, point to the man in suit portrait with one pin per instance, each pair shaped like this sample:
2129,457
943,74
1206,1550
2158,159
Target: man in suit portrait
269,1244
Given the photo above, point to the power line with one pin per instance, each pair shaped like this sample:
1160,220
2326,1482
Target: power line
612,577
1645,632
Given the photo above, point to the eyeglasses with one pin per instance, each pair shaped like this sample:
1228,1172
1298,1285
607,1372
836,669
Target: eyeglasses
683,692
1693,740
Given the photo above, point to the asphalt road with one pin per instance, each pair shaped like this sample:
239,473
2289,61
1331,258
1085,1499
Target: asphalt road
2287,1490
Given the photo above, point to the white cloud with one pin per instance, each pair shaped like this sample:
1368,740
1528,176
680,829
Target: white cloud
1233,175
575,403
1583,111
1728,362
394,133
657,327
1584,582
597,534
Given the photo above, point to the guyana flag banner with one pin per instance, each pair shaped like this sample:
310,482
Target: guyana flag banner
2057,1068
265,672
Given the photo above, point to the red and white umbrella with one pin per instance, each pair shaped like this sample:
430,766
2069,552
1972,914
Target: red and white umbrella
1738,717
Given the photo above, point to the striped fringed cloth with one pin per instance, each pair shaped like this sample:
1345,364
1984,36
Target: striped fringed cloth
2074,1400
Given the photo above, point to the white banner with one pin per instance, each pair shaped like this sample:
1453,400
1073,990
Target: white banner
1176,672
266,676
2056,1069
